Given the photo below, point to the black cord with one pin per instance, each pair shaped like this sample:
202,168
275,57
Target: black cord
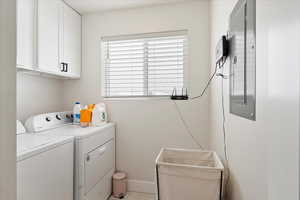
186,126
224,122
208,83
202,93
218,65
224,135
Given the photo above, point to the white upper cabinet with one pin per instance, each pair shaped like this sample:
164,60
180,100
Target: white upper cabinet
48,35
26,22
49,38
71,41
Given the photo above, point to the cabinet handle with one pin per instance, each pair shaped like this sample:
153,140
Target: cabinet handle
63,67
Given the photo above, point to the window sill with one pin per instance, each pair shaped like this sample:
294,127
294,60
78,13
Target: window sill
136,98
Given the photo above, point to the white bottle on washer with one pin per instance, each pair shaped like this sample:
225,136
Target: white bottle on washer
76,113
99,116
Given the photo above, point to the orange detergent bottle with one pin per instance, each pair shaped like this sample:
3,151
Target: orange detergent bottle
86,115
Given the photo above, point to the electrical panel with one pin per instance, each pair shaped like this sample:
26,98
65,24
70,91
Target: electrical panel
242,35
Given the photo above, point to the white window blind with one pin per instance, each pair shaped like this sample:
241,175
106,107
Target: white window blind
144,65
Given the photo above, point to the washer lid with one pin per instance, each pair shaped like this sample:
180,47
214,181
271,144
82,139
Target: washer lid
29,145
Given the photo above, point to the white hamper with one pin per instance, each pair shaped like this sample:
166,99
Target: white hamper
189,175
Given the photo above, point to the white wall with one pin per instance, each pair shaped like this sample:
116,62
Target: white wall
263,155
36,94
144,126
7,100
280,33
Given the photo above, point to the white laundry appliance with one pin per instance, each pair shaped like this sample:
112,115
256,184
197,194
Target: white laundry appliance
94,153
44,166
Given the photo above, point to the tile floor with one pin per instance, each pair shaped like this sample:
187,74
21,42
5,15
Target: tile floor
137,196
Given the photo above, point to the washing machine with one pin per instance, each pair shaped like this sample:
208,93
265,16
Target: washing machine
94,153
44,166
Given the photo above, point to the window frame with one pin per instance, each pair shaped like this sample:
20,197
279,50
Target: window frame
140,36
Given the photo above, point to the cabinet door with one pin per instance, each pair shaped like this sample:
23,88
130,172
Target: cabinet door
48,35
26,19
72,41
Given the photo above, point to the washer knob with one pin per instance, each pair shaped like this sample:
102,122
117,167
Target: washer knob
48,119
58,117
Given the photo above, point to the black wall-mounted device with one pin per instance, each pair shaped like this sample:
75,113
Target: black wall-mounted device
222,49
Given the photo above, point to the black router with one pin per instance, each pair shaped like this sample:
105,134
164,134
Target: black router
182,96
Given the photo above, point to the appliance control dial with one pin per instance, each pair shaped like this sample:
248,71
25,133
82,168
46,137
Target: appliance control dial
58,117
48,119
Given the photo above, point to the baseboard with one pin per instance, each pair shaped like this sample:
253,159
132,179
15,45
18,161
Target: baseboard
141,186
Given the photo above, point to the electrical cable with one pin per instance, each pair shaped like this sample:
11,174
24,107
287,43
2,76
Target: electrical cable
220,65
202,93
186,126
224,122
224,133
208,83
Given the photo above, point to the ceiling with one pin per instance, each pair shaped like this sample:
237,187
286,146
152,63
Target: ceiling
86,6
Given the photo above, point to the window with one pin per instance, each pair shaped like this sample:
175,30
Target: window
144,65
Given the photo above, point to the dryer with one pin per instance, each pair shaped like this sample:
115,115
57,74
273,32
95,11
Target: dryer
94,153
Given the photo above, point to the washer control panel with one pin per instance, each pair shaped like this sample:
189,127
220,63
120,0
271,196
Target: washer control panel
48,121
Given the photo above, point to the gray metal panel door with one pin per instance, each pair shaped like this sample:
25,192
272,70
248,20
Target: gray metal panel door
242,60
